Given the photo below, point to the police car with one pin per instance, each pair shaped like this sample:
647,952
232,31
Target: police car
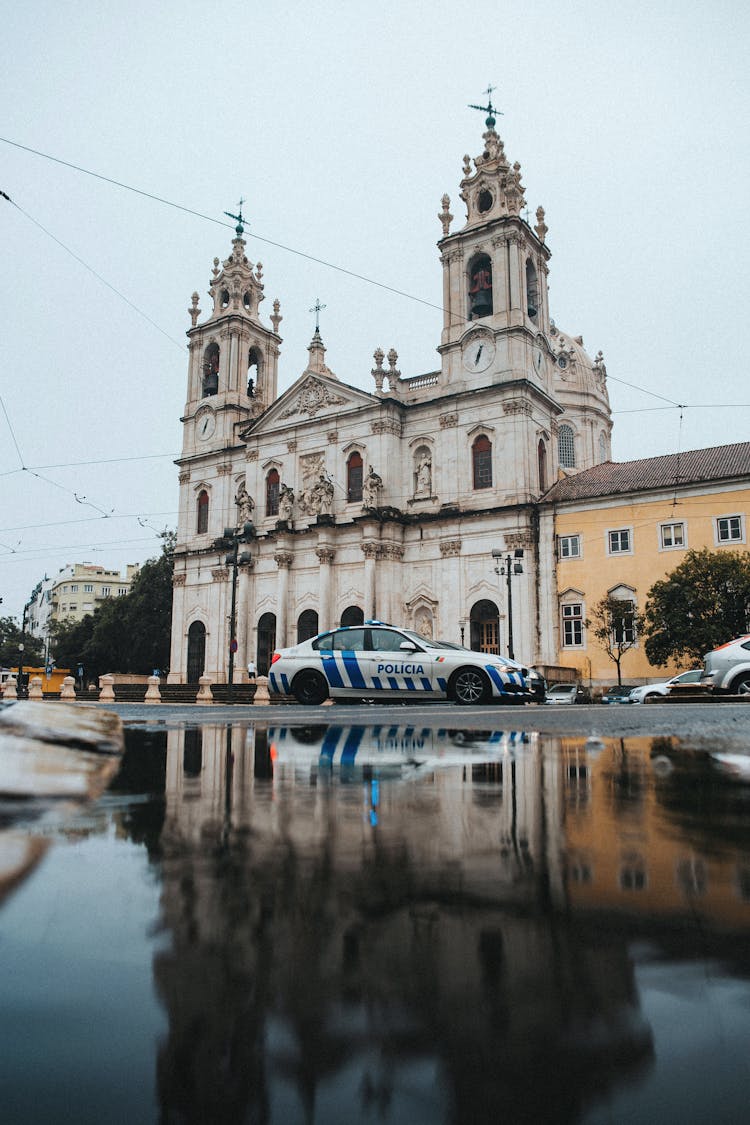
375,660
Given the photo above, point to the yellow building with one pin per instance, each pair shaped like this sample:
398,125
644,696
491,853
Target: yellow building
81,588
620,527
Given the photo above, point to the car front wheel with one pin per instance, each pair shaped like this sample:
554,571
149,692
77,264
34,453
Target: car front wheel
470,685
310,688
741,685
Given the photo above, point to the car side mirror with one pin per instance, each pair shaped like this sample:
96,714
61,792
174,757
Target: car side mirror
408,646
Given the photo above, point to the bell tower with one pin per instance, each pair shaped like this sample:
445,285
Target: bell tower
233,367
496,312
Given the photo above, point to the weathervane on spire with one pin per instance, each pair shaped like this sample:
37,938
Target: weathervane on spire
489,109
317,309
238,218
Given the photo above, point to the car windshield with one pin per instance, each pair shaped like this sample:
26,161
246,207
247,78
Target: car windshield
562,689
423,642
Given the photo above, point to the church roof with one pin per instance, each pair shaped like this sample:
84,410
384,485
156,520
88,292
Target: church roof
695,466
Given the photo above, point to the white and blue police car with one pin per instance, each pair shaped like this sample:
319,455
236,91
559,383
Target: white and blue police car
375,660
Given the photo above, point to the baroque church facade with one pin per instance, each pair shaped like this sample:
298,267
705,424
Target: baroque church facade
406,503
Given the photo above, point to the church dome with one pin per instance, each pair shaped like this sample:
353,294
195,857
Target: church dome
576,376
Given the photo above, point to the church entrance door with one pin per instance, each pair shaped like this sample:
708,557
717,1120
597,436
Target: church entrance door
196,652
484,624
266,642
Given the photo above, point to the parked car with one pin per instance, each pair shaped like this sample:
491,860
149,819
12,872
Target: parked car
727,668
568,693
376,660
619,693
537,682
663,687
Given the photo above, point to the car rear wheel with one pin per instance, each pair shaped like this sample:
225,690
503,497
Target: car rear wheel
310,688
652,695
741,685
470,685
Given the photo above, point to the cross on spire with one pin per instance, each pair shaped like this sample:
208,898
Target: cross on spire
489,109
238,218
317,309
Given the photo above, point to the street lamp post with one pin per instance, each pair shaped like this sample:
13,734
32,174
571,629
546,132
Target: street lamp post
21,649
509,566
232,538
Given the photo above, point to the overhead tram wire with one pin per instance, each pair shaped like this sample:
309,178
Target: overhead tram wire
288,249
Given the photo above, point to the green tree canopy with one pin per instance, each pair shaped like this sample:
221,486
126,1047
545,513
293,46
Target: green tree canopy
125,634
10,638
704,602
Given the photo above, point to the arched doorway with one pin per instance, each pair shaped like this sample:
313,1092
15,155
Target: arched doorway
196,652
353,615
266,642
484,625
307,625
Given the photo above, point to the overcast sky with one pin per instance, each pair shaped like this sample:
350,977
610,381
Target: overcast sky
342,126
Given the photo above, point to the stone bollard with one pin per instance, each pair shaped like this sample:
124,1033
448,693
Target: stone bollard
261,691
9,688
204,691
107,691
35,688
68,692
153,694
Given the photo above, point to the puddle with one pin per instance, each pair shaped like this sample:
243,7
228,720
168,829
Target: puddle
386,923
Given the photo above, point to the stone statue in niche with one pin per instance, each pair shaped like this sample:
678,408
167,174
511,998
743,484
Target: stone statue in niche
286,503
320,499
245,505
423,624
370,488
424,476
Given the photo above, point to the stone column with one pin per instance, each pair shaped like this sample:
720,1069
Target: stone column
514,273
389,585
326,555
371,552
284,561
178,646
244,579
500,293
450,606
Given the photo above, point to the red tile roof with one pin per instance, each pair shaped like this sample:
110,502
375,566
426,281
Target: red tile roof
721,462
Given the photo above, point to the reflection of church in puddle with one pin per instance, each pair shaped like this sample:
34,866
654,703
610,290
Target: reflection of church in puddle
386,503
335,936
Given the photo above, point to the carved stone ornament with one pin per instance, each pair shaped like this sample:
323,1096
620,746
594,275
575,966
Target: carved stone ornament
387,426
283,560
291,446
184,476
325,554
179,579
332,437
371,550
445,215
224,469
449,548
518,406
519,539
393,551
251,455
220,574
447,421
313,397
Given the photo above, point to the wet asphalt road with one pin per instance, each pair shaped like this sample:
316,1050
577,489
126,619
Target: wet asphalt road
701,722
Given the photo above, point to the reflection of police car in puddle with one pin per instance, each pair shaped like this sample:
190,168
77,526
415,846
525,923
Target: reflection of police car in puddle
391,750
376,660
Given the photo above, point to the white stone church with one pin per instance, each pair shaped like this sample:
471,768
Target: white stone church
386,504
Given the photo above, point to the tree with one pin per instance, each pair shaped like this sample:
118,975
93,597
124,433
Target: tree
130,633
10,639
615,625
703,603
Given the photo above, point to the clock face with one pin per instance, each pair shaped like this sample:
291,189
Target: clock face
478,351
538,360
205,425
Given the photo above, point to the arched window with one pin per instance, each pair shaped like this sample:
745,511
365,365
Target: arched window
307,625
541,454
201,525
480,287
354,478
481,459
196,651
210,382
272,493
602,448
532,290
253,371
566,447
352,615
